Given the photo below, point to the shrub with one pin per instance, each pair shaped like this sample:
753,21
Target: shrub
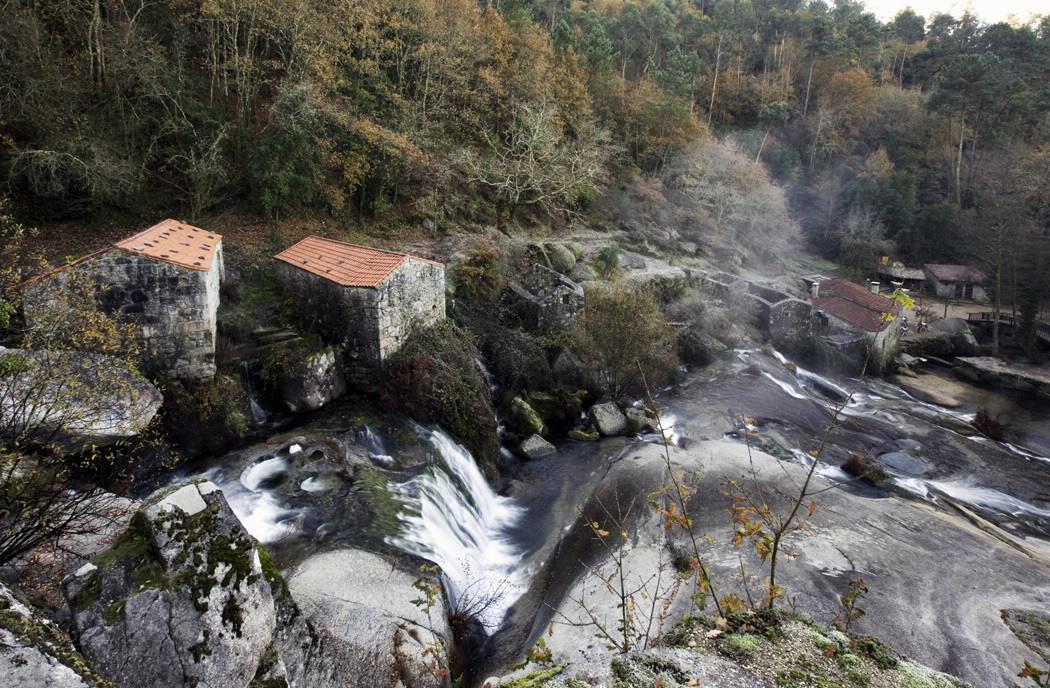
208,417
623,331
607,260
435,378
482,274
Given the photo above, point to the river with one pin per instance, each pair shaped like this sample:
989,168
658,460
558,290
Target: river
389,484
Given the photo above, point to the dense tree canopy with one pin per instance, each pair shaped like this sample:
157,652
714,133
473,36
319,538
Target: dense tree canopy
355,107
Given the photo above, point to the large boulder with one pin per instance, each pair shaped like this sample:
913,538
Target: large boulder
36,652
181,599
524,419
73,400
608,419
312,382
379,628
536,447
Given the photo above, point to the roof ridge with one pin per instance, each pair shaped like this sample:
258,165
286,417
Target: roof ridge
344,263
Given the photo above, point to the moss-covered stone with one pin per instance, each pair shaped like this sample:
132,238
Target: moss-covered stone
740,645
524,419
272,574
50,640
537,679
581,435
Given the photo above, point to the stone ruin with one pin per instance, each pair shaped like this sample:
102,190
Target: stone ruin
544,300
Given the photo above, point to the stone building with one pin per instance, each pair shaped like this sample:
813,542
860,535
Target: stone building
956,282
164,280
363,299
544,300
853,314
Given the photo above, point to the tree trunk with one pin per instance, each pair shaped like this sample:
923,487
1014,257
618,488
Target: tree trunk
809,82
762,145
958,164
714,82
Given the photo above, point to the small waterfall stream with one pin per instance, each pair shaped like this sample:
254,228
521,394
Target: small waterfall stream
455,520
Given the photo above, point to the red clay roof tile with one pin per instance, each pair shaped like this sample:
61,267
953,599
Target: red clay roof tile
348,265
175,242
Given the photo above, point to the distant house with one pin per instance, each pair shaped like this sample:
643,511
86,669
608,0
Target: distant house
544,300
851,309
957,282
165,281
892,276
361,298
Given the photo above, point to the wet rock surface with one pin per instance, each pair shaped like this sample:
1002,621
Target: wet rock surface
367,606
936,614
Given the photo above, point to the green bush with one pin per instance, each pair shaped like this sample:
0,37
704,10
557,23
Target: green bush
208,417
435,378
624,335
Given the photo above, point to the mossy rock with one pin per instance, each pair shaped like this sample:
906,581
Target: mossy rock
537,679
740,645
581,435
524,419
560,257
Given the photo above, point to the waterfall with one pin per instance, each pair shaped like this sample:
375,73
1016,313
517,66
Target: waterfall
377,451
454,519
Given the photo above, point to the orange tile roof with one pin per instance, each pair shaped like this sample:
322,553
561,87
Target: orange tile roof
175,242
345,264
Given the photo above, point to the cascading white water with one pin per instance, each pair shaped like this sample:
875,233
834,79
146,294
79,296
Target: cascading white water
455,520
250,498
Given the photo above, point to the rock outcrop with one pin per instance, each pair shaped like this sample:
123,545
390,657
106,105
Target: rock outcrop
74,400
180,600
36,652
185,597
313,382
369,621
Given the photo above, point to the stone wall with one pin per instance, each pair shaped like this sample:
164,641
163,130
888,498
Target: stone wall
344,316
174,308
414,296
545,300
791,319
369,324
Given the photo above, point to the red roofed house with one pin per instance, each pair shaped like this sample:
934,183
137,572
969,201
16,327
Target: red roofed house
957,282
164,280
364,299
852,309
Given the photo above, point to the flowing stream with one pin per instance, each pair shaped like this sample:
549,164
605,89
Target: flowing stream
297,494
455,520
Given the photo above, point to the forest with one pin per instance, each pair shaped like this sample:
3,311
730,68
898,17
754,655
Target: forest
922,139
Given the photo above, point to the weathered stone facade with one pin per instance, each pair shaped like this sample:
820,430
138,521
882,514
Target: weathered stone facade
780,315
173,307
370,323
544,299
